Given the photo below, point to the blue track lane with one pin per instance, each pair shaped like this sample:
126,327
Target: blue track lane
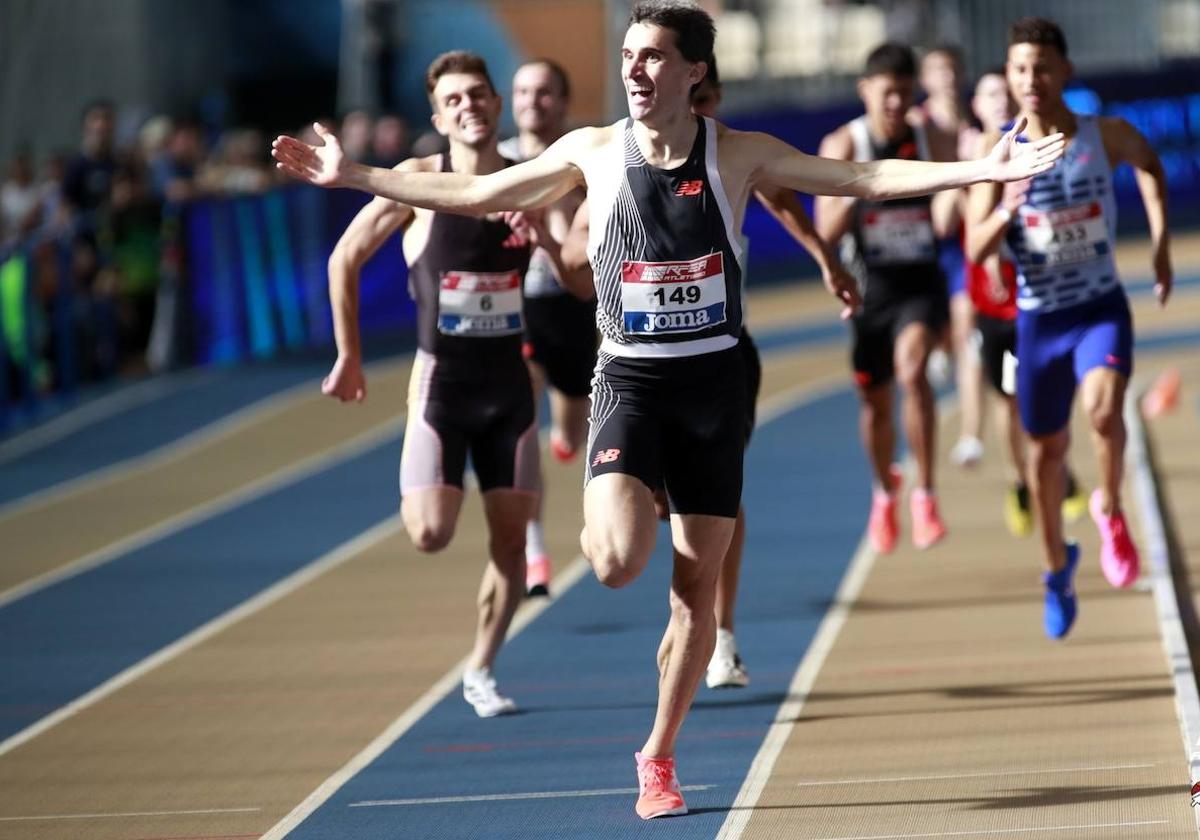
143,427
584,674
61,642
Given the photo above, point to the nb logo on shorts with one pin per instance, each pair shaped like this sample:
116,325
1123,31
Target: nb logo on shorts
689,188
606,456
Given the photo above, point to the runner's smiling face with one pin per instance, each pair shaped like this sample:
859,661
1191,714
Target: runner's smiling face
538,101
466,109
657,78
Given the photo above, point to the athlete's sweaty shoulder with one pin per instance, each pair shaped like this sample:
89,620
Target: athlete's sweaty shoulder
1123,143
580,145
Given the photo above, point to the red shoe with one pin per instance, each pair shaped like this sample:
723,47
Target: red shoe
882,527
658,788
562,451
537,576
927,526
1118,554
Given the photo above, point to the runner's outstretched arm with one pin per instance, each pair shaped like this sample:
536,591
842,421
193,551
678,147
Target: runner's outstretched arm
1128,145
369,229
526,186
574,254
786,208
881,180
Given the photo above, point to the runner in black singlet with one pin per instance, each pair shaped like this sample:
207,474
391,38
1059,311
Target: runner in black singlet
469,394
891,247
666,195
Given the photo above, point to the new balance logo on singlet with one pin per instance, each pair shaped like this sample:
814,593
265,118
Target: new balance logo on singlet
689,188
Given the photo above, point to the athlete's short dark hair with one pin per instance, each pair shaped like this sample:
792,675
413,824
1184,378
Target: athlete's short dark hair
711,75
1038,30
456,61
556,70
891,59
694,29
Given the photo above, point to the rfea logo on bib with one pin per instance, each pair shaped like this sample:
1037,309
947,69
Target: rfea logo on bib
660,298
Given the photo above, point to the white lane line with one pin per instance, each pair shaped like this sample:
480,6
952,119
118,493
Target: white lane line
1162,583
96,410
510,797
256,412
1030,772
986,831
289,584
261,486
769,410
190,812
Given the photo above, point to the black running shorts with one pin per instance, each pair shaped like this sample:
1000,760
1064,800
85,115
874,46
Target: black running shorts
560,335
753,364
676,422
484,409
876,329
997,337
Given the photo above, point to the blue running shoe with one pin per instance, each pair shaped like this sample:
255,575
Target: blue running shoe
1061,603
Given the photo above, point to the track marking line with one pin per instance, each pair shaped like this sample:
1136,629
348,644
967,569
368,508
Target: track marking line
769,409
986,831
190,812
175,450
510,797
95,410
1162,584
296,471
289,584
1033,772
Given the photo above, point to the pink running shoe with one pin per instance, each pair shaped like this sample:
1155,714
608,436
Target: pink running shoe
658,788
927,526
1118,554
537,576
882,525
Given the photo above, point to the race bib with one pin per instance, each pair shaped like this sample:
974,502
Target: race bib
1070,235
480,303
662,298
898,235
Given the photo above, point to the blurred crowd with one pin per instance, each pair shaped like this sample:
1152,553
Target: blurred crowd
91,241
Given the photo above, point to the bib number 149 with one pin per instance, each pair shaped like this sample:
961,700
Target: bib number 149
680,294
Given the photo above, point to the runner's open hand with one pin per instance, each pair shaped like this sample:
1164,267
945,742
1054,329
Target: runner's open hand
321,165
1010,160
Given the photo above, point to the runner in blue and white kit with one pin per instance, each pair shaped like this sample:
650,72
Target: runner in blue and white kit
669,309
1073,322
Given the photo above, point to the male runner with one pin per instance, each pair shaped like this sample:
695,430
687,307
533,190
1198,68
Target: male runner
666,192
1073,322
891,247
470,390
946,121
560,327
992,286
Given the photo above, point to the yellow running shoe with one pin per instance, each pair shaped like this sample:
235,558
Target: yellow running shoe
1017,515
1074,504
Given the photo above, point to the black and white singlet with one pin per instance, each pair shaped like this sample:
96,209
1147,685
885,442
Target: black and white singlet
664,253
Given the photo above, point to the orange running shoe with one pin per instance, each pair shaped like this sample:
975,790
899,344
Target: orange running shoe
562,451
1163,395
882,527
537,576
927,526
658,788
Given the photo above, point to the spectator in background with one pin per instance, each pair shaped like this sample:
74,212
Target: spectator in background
133,247
355,135
389,142
173,169
87,184
20,201
240,165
